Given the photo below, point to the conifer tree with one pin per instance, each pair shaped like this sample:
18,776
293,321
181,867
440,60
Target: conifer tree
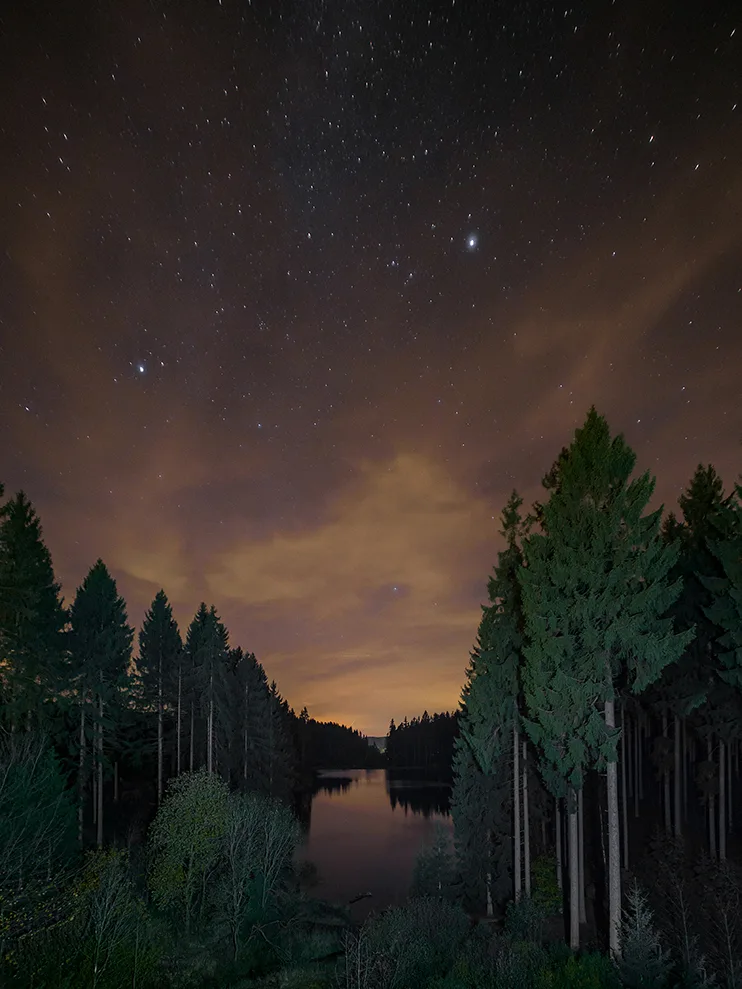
100,642
725,606
489,718
207,645
686,687
160,647
595,593
32,617
724,610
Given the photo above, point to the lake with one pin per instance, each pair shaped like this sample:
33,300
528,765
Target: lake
366,828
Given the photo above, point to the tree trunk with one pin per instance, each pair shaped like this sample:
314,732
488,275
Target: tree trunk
526,824
99,837
581,852
558,840
159,732
637,756
94,783
191,739
722,803
488,879
180,690
244,736
574,876
677,774
614,846
684,728
666,782
730,791
210,740
81,775
711,807
516,814
624,793
116,782
640,750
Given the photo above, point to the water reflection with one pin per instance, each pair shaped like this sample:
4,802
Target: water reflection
419,796
364,832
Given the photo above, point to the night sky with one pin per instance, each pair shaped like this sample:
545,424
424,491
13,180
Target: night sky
292,295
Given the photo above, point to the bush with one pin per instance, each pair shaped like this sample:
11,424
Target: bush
589,971
524,920
404,947
546,892
185,844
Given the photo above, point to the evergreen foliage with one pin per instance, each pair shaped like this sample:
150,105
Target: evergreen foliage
160,649
32,619
725,606
595,592
100,647
37,832
644,963
434,871
328,745
424,744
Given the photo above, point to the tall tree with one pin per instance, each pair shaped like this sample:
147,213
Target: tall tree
490,720
100,643
725,611
160,647
207,647
32,617
684,689
480,798
596,591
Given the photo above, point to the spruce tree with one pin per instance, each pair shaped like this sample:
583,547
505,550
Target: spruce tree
32,618
724,610
691,688
490,725
207,647
100,644
160,647
596,592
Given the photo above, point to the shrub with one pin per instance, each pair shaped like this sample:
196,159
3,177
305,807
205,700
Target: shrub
404,947
524,920
546,892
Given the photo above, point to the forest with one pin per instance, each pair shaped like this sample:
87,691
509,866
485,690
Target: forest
150,804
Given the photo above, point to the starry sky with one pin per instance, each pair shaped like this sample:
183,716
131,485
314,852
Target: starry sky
293,293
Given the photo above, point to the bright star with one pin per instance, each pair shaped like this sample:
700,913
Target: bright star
140,368
471,241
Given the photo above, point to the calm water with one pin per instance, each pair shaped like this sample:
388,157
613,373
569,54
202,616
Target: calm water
365,832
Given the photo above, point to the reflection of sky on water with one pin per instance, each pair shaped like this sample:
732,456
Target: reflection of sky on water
361,843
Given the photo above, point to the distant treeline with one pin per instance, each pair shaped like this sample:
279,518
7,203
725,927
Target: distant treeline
425,743
328,745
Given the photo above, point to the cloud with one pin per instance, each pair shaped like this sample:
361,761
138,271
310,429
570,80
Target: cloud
407,524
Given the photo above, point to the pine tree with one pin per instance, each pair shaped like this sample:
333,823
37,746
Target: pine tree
644,963
160,647
100,643
207,647
32,617
725,606
595,593
690,688
724,610
489,719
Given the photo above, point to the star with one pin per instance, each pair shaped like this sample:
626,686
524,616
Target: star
472,241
